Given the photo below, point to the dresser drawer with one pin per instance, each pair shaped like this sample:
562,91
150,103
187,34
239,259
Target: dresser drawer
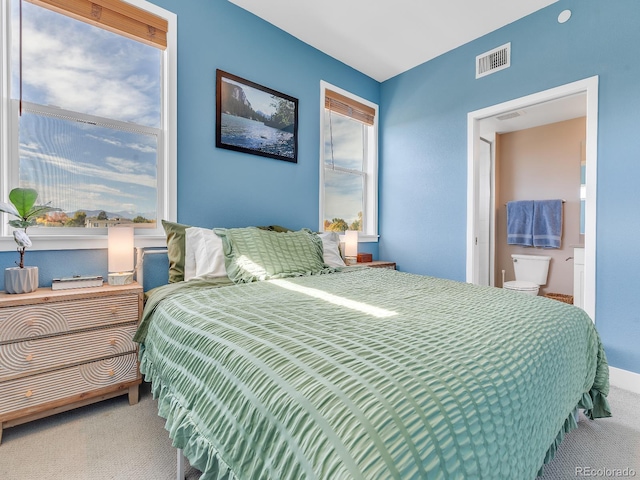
19,359
29,321
62,384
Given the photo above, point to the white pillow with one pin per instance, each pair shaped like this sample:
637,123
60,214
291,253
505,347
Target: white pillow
190,240
330,249
207,251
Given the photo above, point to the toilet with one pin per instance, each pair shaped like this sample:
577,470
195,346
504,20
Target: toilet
531,272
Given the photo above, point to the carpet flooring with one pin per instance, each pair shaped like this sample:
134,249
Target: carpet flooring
112,440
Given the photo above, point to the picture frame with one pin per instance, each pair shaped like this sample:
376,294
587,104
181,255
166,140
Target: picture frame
252,118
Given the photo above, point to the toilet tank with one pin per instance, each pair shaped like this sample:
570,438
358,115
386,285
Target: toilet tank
531,268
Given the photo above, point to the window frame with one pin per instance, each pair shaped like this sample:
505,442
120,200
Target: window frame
370,214
65,239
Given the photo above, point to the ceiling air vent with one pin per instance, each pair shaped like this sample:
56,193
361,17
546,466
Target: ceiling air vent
510,115
493,60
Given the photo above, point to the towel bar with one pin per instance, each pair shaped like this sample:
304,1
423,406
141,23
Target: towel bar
563,201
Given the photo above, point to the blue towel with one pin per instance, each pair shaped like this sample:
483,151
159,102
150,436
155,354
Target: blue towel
547,223
520,223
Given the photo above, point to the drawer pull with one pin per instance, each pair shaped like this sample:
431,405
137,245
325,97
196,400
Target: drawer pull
28,394
29,357
111,373
29,323
114,310
112,341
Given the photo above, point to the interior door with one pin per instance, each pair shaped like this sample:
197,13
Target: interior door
483,213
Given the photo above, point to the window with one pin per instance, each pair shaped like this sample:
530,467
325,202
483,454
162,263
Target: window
88,116
349,163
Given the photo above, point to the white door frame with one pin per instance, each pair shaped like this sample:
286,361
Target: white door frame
589,86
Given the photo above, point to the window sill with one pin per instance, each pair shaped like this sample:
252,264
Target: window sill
368,238
78,242
362,238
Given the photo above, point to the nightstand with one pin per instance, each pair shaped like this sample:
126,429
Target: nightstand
379,264
63,349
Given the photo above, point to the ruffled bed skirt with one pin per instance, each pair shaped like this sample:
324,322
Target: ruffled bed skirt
594,404
183,432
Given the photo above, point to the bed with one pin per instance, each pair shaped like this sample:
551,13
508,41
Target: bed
331,372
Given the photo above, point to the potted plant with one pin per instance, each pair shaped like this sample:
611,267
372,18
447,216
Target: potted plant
23,206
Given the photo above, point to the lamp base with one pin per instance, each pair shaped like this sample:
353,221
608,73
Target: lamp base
350,260
120,278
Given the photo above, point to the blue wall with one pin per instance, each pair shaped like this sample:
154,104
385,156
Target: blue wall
423,141
222,188
424,148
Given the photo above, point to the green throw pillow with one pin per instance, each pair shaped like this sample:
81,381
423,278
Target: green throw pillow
175,249
252,254
275,228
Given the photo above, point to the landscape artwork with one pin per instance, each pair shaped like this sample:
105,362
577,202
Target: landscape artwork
255,119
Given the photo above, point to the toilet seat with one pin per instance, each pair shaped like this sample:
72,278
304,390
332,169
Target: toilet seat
522,286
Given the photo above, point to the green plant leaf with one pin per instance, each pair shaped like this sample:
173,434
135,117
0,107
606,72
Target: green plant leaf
39,210
22,223
23,199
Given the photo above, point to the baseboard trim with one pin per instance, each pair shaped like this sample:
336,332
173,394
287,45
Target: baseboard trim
624,379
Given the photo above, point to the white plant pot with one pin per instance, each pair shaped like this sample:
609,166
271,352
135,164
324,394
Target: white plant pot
20,280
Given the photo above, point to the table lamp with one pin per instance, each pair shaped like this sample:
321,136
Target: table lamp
120,255
351,247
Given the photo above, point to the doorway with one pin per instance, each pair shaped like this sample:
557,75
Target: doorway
583,95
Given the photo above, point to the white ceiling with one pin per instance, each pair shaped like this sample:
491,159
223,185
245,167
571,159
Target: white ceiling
383,38
552,111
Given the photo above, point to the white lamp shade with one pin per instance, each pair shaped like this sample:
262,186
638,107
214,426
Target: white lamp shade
120,245
351,243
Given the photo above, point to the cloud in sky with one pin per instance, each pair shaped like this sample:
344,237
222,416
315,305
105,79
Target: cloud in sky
77,171
135,146
81,68
89,170
343,195
344,145
129,167
343,141
93,199
260,101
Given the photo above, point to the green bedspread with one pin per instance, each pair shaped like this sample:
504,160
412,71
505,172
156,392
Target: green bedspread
369,373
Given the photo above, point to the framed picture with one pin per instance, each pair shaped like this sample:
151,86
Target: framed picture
254,119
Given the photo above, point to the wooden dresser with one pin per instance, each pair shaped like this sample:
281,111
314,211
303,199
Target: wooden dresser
64,349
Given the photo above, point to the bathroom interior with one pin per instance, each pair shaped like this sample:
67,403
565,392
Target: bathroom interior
541,163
